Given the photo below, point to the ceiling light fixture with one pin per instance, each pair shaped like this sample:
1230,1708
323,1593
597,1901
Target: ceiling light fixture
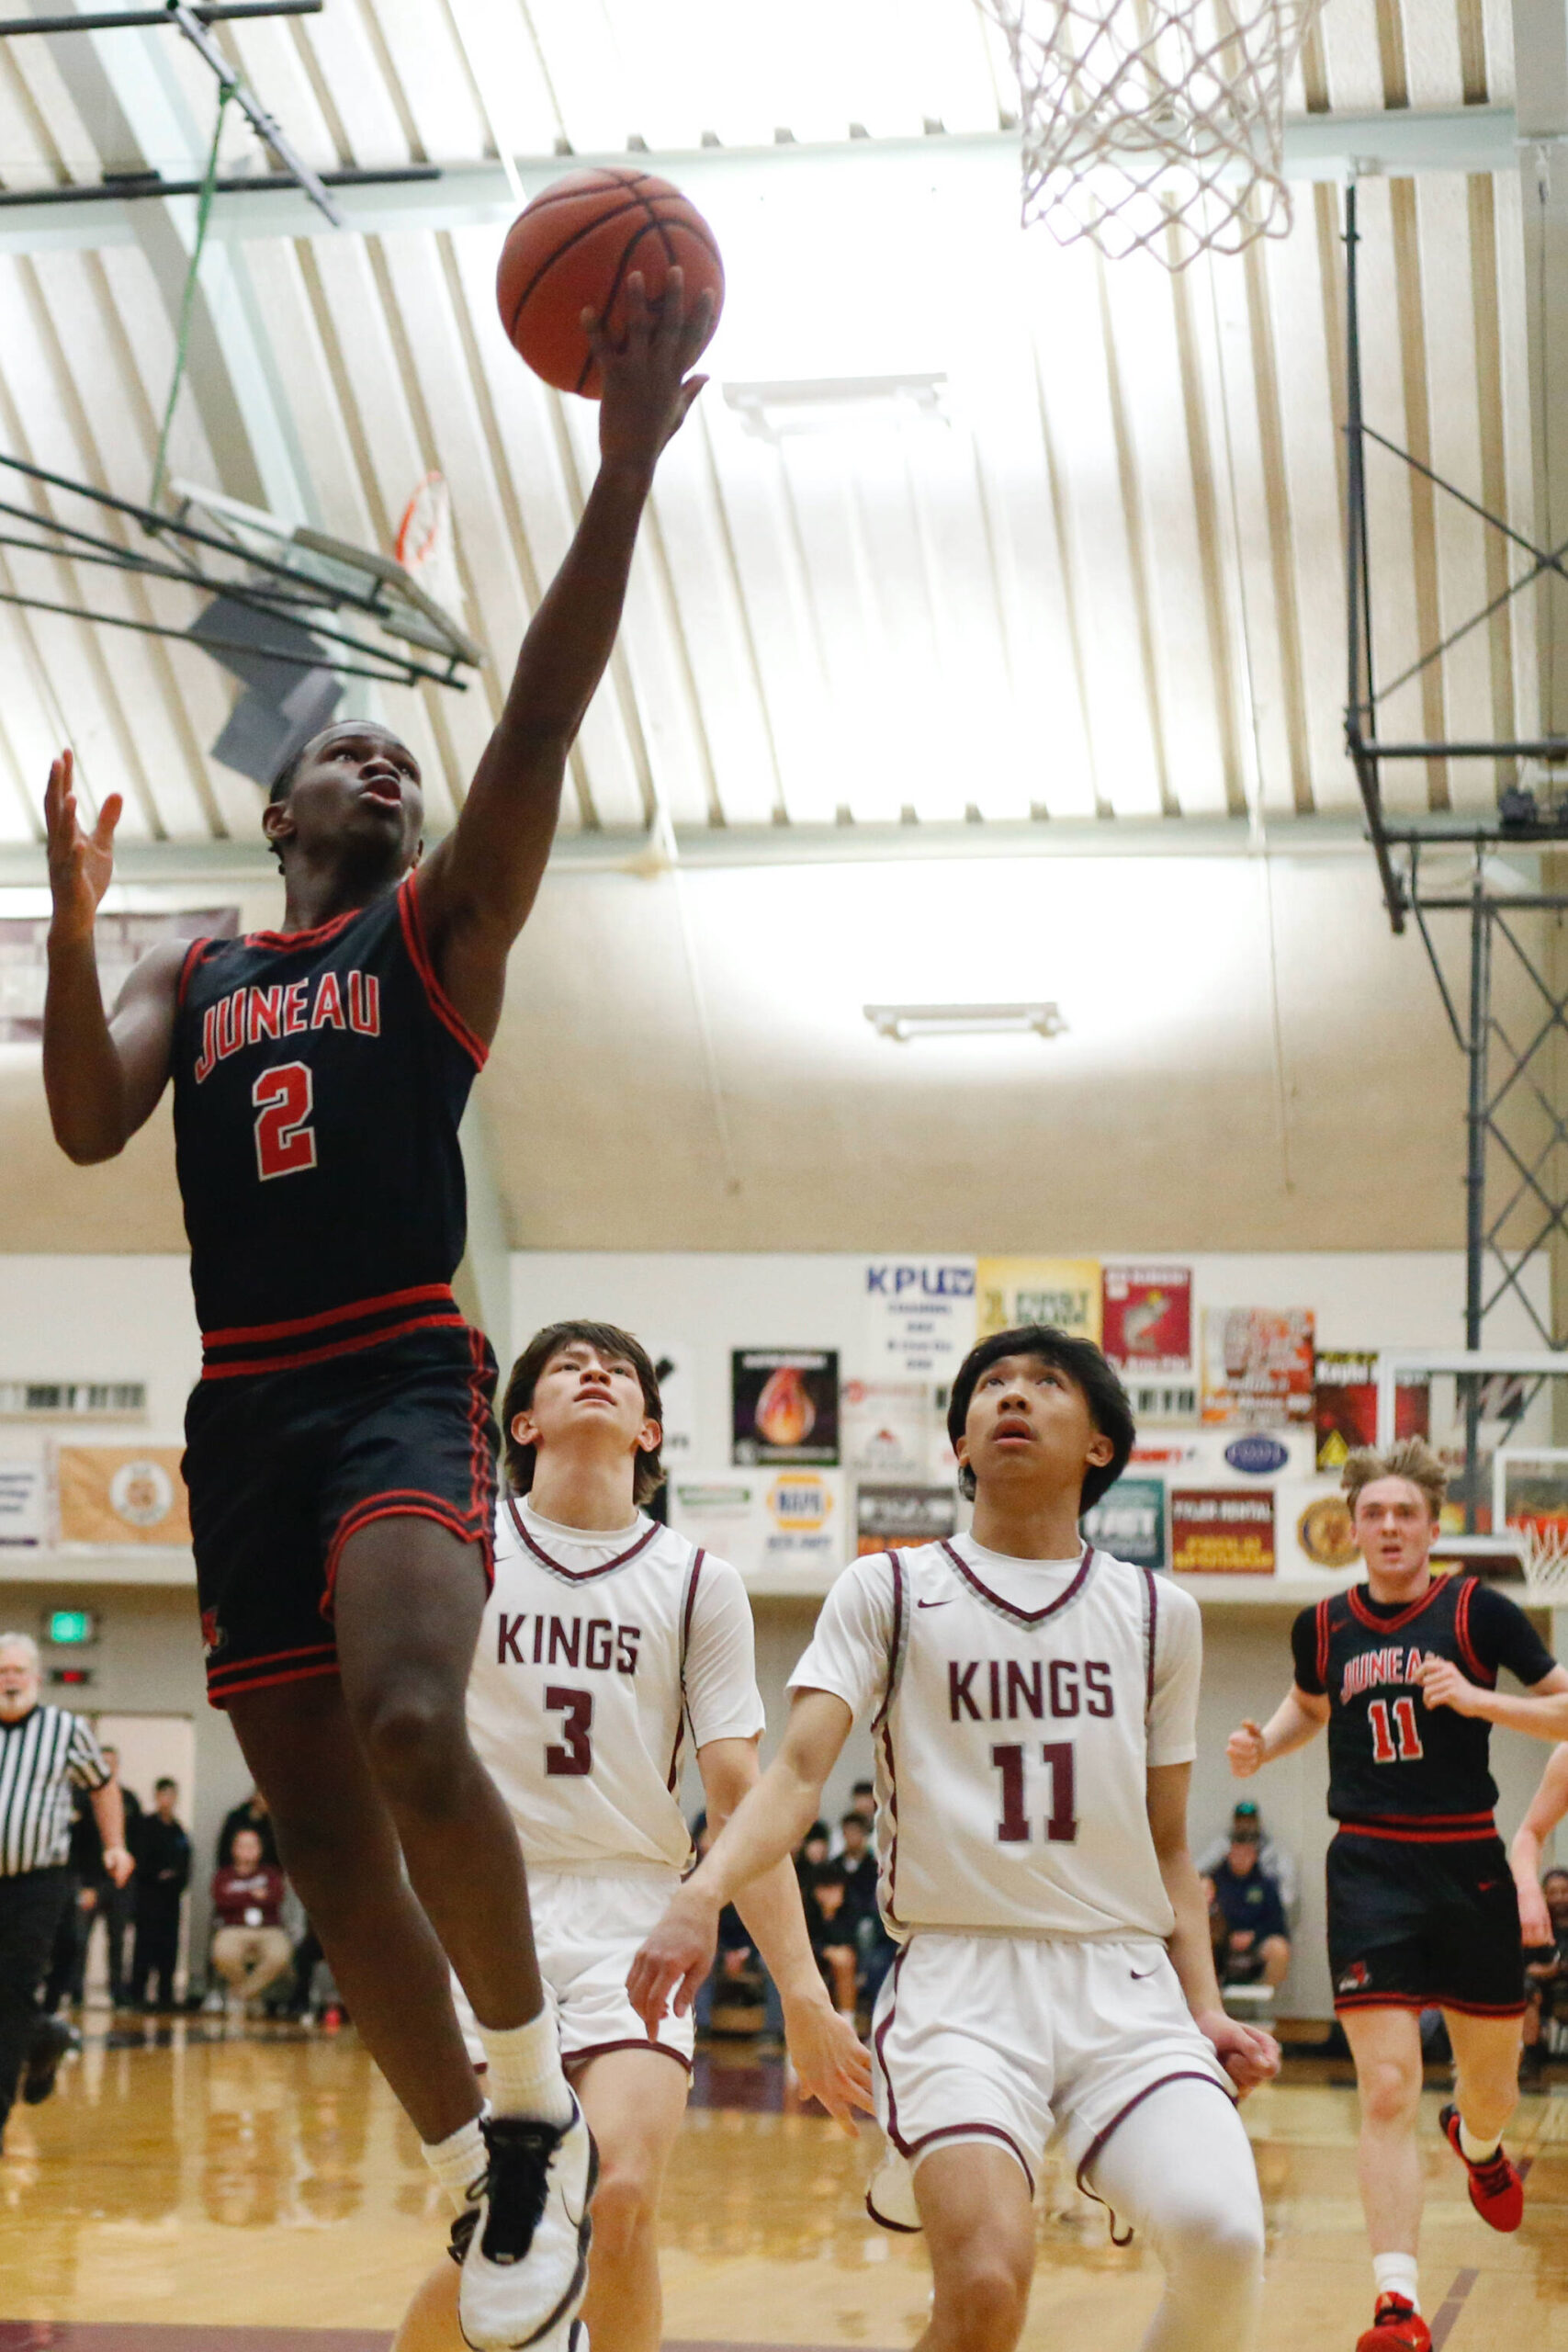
902,1022
830,403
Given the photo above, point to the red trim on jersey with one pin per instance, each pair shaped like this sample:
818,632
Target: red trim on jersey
1429,1820
355,1312
268,1682
311,938
1409,1836
253,1364
578,1576
569,2058
1023,1616
409,1502
1462,1636
1182,2074
441,1003
195,949
1405,1617
1325,1635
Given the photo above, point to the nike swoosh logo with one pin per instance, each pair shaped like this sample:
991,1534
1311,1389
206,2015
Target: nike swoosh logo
1138,1975
936,1604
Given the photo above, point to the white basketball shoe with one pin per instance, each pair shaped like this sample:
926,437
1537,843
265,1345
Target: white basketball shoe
526,2264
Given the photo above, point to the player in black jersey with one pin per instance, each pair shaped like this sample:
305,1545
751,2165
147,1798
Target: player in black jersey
341,1446
1422,1910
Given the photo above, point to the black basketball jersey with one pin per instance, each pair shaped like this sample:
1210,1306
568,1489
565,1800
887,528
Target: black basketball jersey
1393,1760
320,1077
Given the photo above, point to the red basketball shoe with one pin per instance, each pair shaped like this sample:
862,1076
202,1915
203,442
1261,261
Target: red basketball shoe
1495,2190
1397,2326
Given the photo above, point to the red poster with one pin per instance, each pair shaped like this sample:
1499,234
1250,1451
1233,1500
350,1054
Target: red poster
1147,1317
1346,1404
1221,1531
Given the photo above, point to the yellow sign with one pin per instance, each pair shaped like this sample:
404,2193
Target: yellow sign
800,1505
118,1493
1062,1291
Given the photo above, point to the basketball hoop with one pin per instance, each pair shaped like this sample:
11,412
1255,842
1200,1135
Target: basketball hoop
1543,1553
1155,125
426,547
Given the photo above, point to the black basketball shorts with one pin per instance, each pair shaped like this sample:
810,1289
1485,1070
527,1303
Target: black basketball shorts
1421,1925
283,1468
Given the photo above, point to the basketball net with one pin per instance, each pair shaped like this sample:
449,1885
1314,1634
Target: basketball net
1155,125
1544,1554
425,546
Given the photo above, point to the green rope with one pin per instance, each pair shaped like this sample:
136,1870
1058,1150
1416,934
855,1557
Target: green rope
188,301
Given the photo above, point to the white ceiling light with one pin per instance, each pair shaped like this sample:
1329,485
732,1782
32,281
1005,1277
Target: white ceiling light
902,1022
831,403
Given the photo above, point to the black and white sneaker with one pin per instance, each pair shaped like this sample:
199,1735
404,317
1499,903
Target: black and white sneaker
51,2039
526,2264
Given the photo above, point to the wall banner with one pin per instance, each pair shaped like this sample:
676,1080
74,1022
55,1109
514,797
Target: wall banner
117,1494
1129,1523
888,1518
24,1504
919,1316
784,1405
1257,1366
1221,1531
1065,1292
886,1427
1147,1318
1345,1404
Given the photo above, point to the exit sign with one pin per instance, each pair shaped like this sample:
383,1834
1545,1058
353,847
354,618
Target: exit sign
70,1628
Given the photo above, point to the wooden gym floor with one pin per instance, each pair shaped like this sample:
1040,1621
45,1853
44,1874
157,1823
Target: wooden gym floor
188,2192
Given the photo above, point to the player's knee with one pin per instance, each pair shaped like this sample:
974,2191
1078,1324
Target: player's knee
624,2213
414,1733
981,2303
1390,2092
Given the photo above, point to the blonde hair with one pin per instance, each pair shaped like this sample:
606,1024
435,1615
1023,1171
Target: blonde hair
1412,1458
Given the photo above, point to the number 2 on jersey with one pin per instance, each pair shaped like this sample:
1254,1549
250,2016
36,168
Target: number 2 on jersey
1383,1749
283,1101
573,1760
1014,1828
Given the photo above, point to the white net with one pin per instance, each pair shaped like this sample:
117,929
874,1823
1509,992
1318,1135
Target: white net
1155,125
426,548
1544,1554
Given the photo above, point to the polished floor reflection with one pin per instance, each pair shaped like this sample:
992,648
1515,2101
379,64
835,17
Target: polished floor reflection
188,2192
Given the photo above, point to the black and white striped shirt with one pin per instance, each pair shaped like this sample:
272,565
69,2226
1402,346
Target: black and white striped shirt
40,1757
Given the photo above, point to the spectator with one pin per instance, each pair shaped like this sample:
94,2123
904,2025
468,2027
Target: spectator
252,1815
116,1905
162,1873
738,1967
251,1948
824,1890
1272,1859
1253,1946
68,1962
1546,1980
875,1946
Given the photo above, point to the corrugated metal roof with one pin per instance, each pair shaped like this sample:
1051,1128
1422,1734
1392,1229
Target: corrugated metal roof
1104,577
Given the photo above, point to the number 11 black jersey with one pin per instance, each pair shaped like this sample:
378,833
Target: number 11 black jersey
1393,1760
320,1077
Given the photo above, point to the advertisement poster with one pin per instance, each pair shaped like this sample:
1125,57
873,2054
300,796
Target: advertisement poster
803,1530
1345,1408
1257,1366
1163,1403
783,1405
885,1426
116,1494
1147,1318
719,1513
1219,1532
1064,1291
673,1362
23,1504
888,1518
1129,1523
1324,1532
919,1316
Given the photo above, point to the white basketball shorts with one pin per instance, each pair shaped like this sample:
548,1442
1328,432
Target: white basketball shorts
587,1928
1028,2040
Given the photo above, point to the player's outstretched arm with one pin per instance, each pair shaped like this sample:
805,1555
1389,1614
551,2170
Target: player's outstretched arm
1299,1718
824,2048
1547,1809
102,1076
1543,1711
476,889
763,1831
1247,2054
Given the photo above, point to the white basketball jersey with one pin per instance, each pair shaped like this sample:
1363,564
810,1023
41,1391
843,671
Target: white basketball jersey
594,1655
1013,1733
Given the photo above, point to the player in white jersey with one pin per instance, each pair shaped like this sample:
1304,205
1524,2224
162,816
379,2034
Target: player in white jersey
1033,1703
606,1638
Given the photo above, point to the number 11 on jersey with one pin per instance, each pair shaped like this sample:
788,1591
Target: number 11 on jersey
1015,1829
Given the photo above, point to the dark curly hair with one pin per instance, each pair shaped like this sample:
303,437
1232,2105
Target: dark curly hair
1090,1372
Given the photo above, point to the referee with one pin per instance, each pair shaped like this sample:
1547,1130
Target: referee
43,1750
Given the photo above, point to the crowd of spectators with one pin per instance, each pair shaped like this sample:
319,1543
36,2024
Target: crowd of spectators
1249,1884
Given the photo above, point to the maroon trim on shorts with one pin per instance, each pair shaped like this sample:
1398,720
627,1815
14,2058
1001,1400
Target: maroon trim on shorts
1383,2001
441,1005
633,2041
408,1503
1182,2074
1405,1617
900,2229
559,1567
966,2131
1023,1616
270,1682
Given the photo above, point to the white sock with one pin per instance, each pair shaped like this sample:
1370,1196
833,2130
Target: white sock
458,2162
1395,2274
1476,2151
524,2073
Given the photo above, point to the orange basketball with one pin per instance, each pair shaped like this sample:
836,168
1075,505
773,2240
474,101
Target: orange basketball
573,250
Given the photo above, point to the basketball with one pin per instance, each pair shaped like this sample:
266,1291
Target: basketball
574,248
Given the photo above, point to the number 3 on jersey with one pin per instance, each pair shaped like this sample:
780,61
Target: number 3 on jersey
1383,1749
573,1760
283,1101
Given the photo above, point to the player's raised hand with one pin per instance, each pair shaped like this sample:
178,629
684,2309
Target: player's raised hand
831,2062
80,864
645,388
1244,1751
1249,2056
1442,1685
673,1962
